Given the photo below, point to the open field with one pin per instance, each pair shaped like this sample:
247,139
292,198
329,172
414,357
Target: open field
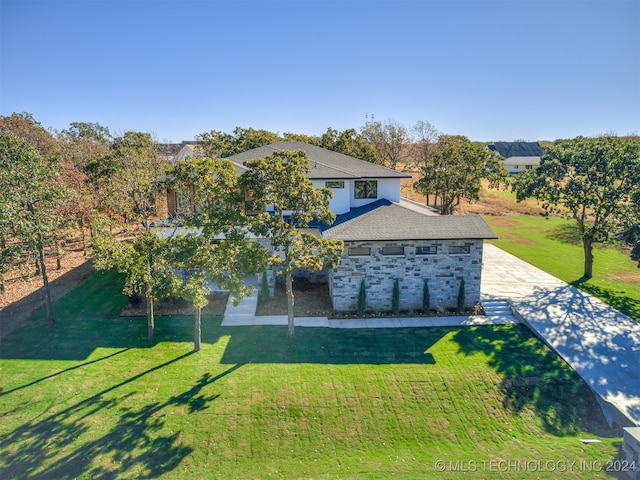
93,398
553,245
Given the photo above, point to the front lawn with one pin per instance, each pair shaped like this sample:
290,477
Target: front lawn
553,245
93,399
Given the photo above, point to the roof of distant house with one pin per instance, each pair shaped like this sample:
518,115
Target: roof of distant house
325,164
386,220
517,149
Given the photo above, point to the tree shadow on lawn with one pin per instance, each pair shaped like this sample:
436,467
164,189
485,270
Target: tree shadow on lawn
270,344
619,301
133,446
536,378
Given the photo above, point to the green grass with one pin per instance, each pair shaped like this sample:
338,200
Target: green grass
553,245
92,398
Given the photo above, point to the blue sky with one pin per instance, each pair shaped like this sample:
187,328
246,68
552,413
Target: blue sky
490,70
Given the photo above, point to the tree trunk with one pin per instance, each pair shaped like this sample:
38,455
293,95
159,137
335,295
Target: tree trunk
3,288
47,291
151,327
196,330
290,302
587,245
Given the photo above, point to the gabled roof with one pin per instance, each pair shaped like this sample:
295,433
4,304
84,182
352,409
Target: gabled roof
386,220
517,149
325,164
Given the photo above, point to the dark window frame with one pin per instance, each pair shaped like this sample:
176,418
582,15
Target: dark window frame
352,249
390,248
426,250
364,189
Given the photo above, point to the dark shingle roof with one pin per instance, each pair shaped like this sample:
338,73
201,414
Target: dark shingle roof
325,164
517,149
385,220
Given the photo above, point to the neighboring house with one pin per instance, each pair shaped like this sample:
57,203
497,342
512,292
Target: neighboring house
387,237
518,156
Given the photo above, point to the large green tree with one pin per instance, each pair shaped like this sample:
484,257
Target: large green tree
32,202
129,177
215,248
455,170
279,182
591,180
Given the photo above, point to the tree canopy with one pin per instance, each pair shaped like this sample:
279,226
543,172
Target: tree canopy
593,181
280,181
455,170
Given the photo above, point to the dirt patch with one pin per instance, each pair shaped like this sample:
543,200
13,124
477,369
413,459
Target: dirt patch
631,277
137,307
24,296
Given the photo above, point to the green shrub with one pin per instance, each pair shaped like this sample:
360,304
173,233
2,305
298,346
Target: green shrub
461,299
426,299
264,288
395,299
362,300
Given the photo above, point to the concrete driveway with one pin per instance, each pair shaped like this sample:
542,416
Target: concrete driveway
601,344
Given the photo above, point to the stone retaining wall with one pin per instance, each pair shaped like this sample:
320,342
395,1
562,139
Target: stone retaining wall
443,270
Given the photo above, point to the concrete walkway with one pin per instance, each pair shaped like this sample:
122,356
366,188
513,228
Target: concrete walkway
601,344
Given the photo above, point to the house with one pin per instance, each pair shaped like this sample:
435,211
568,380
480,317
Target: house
518,156
387,237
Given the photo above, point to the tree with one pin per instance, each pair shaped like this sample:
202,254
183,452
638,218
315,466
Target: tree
130,174
591,180
216,144
145,262
279,181
454,171
389,140
218,251
425,137
31,203
348,142
80,145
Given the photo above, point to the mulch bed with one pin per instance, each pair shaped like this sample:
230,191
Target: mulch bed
176,306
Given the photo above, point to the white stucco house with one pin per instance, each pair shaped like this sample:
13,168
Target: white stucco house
518,156
385,236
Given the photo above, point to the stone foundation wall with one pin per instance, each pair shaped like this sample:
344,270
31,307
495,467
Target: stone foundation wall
443,270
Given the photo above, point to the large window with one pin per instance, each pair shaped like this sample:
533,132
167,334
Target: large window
366,189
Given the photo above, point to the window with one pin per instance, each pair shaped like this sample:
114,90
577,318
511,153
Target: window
459,249
337,184
427,250
366,189
359,251
393,250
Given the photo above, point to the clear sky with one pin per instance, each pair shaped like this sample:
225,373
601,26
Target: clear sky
490,70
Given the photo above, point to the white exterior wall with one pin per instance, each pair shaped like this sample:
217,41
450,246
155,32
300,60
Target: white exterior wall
519,164
388,188
341,196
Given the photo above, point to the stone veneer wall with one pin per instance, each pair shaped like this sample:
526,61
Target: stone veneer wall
443,270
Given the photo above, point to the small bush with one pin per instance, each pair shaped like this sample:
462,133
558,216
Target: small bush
426,299
362,298
395,298
461,298
264,288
